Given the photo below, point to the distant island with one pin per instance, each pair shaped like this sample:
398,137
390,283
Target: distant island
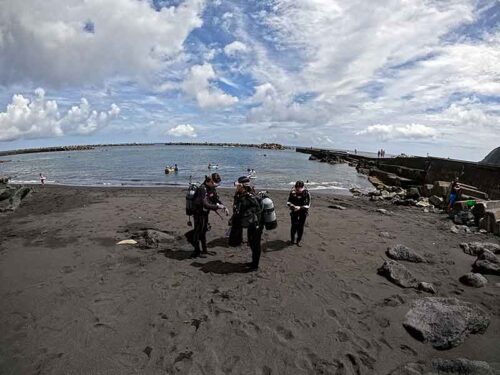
266,146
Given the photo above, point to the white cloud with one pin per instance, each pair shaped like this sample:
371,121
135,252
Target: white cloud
183,131
409,131
198,85
235,48
46,41
40,118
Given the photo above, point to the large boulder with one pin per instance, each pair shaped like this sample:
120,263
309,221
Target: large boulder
476,248
11,197
473,279
461,366
487,263
398,274
441,188
444,322
401,252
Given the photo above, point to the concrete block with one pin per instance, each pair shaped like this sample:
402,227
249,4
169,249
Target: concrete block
441,188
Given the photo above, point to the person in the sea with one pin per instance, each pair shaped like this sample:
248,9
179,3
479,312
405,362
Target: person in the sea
206,200
299,202
455,191
42,179
176,169
247,213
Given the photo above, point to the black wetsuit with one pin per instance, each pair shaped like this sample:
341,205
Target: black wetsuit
206,200
298,218
247,213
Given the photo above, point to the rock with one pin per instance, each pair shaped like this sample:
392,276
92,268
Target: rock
398,274
151,238
13,197
412,193
444,322
487,263
461,366
337,207
441,188
408,369
489,256
464,217
427,287
386,235
423,203
383,211
355,191
401,252
476,248
460,229
436,201
473,279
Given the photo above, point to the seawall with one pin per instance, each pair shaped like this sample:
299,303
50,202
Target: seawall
421,170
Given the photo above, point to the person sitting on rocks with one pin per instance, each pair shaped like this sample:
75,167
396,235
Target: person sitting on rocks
455,190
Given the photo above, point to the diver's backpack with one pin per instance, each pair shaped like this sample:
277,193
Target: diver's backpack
268,213
252,214
191,198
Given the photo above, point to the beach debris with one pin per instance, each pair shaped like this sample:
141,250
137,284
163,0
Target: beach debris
398,274
461,366
487,263
337,207
382,211
127,242
444,322
473,279
427,287
476,248
402,252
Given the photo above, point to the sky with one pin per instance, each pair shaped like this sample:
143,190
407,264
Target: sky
408,76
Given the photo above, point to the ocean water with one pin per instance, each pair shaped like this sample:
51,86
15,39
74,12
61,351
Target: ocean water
145,166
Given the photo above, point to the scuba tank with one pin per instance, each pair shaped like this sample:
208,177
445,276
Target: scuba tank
269,214
190,200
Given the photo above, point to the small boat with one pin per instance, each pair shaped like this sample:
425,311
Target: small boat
213,166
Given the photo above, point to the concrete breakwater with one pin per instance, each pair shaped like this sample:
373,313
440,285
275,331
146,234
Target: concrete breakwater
425,182
416,170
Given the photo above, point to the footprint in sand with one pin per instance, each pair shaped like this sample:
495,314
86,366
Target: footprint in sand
285,333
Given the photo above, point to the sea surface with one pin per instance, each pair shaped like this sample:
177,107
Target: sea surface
145,166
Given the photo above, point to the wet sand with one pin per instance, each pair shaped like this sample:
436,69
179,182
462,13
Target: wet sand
74,302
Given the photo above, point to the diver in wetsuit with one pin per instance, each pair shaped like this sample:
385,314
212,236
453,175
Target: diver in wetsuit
299,201
206,200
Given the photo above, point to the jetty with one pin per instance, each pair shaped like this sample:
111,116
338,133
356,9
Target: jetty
428,177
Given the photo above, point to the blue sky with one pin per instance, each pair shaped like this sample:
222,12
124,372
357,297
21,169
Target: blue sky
416,77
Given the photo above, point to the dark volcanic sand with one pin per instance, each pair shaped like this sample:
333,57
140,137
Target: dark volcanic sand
73,302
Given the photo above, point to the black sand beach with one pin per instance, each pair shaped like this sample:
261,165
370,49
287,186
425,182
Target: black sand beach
74,302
